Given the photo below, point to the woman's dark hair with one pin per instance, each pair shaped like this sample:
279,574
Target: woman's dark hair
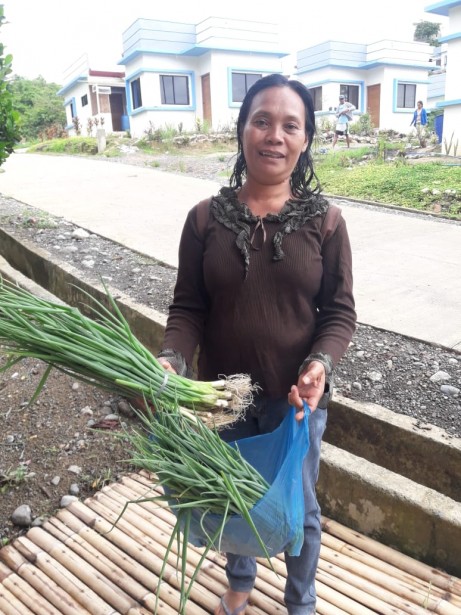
303,173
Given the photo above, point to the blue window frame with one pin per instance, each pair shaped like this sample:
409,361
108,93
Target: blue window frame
317,97
136,93
174,89
241,83
406,95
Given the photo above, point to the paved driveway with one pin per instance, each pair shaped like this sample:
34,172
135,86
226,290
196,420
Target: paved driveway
406,267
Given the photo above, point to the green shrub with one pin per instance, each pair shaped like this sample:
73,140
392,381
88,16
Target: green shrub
9,118
362,126
70,145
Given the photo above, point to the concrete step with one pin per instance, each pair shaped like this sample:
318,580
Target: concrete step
396,511
423,453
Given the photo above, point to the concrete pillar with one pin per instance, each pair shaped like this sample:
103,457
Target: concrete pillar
101,139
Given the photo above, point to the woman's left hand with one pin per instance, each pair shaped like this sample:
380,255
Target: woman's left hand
310,388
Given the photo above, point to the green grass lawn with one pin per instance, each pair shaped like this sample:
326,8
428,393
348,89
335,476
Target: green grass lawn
428,186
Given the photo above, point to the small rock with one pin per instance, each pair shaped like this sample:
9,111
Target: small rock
374,376
74,489
440,376
38,522
75,386
74,469
80,233
357,386
67,500
22,516
112,417
449,390
56,480
125,409
86,411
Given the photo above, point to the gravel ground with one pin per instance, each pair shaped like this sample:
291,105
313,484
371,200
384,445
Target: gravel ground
39,443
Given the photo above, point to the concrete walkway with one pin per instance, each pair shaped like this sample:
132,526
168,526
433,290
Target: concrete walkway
406,267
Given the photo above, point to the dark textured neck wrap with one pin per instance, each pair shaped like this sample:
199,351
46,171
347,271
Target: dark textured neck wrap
236,216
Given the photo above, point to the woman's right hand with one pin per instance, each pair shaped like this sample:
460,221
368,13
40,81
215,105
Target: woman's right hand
166,365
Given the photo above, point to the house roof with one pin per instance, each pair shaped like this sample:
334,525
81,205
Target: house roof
341,54
151,36
95,77
443,7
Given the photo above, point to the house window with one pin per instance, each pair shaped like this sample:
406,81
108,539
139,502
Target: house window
84,100
241,83
73,113
136,93
351,92
174,90
406,96
316,94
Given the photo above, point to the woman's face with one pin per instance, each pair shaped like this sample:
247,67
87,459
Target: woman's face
274,136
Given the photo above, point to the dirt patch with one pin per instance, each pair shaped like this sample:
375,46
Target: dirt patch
62,444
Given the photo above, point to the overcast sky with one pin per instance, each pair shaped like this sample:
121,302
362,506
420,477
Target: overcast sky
46,36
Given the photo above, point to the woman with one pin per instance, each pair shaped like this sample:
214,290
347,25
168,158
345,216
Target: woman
419,121
419,116
258,294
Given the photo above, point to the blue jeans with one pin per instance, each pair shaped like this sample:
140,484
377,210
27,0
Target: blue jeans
300,596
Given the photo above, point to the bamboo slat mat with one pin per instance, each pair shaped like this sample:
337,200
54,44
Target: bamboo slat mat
74,565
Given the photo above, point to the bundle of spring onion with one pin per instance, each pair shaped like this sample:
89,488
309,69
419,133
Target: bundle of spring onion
199,472
104,352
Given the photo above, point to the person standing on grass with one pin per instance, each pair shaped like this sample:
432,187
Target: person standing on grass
259,293
343,117
419,121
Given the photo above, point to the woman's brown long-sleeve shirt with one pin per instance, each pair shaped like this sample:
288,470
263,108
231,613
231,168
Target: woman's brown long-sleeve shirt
267,322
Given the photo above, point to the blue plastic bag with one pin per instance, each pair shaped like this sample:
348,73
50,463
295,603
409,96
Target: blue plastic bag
279,515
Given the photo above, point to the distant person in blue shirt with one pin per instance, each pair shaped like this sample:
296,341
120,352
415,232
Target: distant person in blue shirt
419,121
343,115
419,116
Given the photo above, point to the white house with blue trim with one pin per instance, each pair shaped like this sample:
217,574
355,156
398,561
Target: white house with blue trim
94,98
180,74
384,79
451,103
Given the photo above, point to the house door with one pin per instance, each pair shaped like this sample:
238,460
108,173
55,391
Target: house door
116,109
373,103
206,99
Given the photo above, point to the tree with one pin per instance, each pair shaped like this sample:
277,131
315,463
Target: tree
9,131
41,109
427,32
